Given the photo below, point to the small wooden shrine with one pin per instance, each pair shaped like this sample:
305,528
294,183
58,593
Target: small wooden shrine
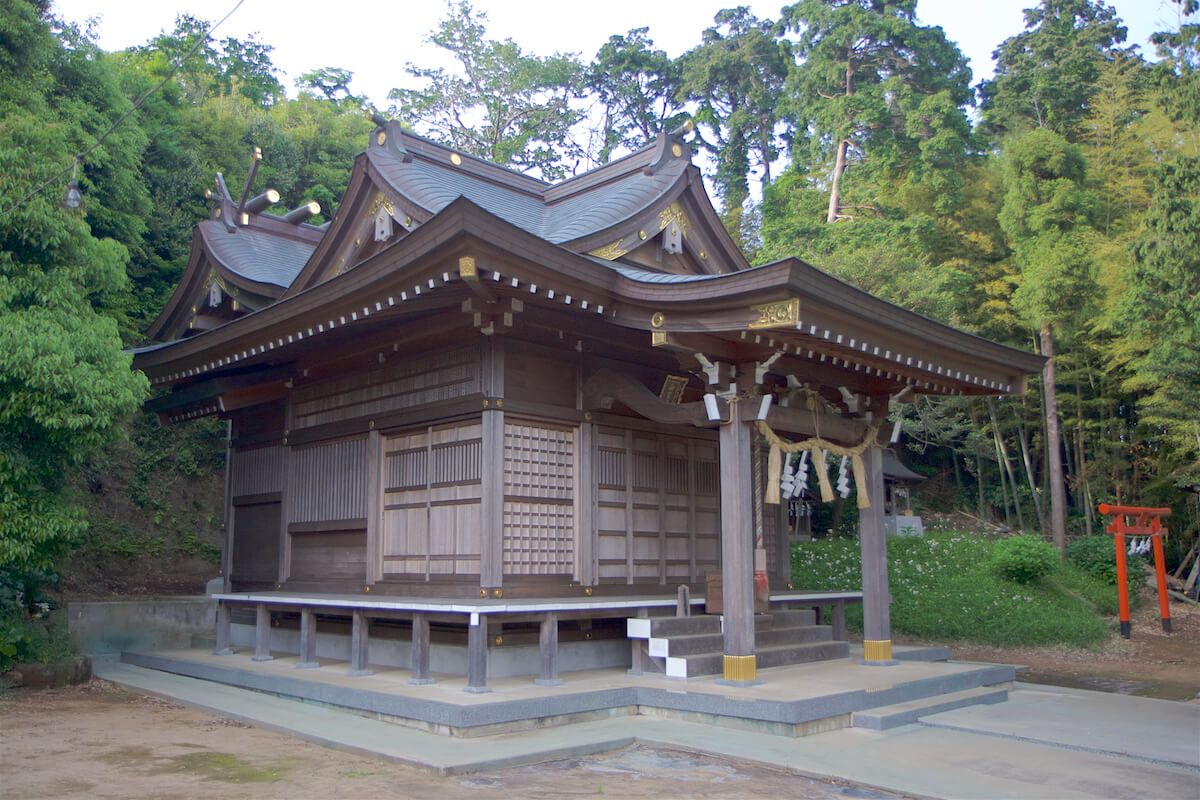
472,384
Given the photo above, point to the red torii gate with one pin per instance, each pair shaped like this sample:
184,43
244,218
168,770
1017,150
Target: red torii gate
1145,522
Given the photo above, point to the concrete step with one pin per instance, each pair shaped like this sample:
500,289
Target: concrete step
893,716
691,666
714,642
786,618
663,627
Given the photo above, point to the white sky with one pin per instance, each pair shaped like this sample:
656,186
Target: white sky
375,41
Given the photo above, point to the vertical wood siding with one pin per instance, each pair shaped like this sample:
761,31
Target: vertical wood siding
432,490
539,499
256,470
329,481
658,507
392,386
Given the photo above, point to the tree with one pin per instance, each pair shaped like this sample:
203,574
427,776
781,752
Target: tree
876,88
241,67
1162,313
332,83
64,382
1047,216
1047,76
736,75
504,105
636,86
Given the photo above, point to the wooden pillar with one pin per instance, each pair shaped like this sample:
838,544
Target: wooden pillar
308,640
223,632
491,541
360,638
548,651
285,501
477,655
262,633
227,553
838,618
374,467
877,629
585,504
737,546
419,655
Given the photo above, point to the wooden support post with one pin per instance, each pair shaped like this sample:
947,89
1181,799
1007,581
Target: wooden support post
838,618
360,633
737,547
877,636
419,655
374,468
548,651
223,631
1122,577
287,485
585,494
477,634
491,553
262,633
227,552
308,640
1160,573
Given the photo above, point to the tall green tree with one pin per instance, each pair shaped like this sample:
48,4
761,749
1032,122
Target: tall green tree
877,90
736,76
1161,312
502,104
636,86
1047,76
64,381
1047,217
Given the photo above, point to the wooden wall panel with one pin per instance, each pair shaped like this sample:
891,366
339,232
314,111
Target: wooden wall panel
536,379
329,481
395,385
329,555
256,470
539,499
658,507
432,491
256,545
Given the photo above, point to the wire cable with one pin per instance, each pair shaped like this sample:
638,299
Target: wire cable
79,157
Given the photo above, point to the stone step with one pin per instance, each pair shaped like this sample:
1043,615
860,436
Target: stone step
786,618
691,666
663,627
893,716
667,627
714,642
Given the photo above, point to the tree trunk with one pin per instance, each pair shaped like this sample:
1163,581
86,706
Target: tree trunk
1058,497
839,166
1002,454
835,198
1028,462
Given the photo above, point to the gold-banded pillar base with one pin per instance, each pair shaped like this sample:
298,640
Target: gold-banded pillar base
875,650
741,668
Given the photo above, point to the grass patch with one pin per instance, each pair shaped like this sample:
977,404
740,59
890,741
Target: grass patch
224,767
944,586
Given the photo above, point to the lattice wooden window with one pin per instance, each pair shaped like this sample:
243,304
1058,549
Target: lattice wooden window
539,499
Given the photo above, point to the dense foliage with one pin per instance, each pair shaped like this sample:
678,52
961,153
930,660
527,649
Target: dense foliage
943,587
840,133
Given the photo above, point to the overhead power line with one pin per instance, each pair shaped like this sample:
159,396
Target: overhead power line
79,157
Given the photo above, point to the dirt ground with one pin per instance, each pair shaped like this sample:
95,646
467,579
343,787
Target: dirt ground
1148,664
101,741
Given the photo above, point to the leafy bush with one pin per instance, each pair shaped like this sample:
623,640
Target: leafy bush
27,632
944,588
1024,558
1096,556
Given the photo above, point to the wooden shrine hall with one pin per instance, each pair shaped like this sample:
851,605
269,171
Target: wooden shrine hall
508,411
